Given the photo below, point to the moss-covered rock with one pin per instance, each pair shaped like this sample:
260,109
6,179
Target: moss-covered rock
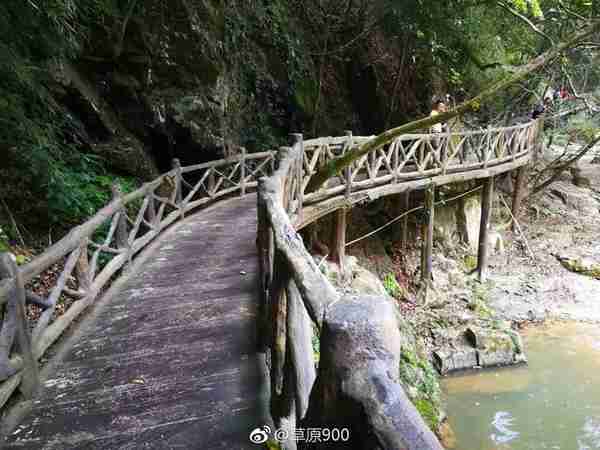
583,266
420,381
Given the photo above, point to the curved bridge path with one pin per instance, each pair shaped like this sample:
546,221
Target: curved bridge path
169,361
168,357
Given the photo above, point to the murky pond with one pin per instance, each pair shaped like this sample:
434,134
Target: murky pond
552,403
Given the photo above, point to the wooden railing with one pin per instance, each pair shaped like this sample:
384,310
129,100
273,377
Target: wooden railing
94,253
97,252
293,288
409,158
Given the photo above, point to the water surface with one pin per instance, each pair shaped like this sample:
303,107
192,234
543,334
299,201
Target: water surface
552,403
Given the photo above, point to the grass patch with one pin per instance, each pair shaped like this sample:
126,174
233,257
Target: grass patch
391,285
470,262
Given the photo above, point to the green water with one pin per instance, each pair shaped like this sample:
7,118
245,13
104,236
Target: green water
552,403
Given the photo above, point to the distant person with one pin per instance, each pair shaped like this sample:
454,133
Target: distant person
540,108
437,108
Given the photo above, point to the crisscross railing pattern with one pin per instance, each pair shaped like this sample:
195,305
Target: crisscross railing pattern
409,157
94,253
292,287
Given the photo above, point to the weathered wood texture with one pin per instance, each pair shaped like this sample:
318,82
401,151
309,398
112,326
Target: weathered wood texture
427,242
170,361
414,157
131,223
518,195
487,198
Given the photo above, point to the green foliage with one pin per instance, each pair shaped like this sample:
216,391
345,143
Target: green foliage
391,285
272,444
79,185
583,129
316,345
578,266
428,412
21,259
3,240
470,262
529,6
420,376
478,302
37,152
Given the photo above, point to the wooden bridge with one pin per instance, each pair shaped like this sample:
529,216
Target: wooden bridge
182,305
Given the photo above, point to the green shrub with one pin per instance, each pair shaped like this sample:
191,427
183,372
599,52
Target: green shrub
79,186
391,285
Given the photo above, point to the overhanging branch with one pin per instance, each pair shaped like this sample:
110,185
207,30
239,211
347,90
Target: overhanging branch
335,166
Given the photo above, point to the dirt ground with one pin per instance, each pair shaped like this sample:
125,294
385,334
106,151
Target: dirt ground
528,282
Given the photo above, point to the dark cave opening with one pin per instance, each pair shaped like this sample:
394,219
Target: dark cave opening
170,140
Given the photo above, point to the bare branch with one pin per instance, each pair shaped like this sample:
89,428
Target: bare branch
520,16
333,167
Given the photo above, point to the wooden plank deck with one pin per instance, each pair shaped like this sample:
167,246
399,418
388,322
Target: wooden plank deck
169,361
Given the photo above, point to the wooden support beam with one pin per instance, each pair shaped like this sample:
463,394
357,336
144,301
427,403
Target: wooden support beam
82,268
30,377
427,229
297,173
176,165
243,173
265,245
151,210
405,207
278,303
338,237
121,231
487,196
178,200
348,169
518,194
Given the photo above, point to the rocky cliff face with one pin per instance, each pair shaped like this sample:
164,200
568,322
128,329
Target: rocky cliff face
195,78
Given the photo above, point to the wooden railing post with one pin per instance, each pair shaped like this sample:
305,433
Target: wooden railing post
176,164
518,195
405,206
30,379
82,268
151,210
121,231
338,238
243,172
486,213
427,244
211,182
395,159
297,173
347,170
266,253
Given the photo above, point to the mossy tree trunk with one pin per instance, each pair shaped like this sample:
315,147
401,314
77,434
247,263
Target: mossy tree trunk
335,166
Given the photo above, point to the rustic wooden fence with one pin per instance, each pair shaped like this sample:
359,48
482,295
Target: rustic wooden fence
292,287
409,162
94,253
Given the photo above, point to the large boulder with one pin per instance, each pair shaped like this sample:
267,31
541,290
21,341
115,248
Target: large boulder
575,197
366,282
480,347
371,252
469,219
358,384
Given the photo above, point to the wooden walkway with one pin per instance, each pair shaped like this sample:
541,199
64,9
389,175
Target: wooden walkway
169,361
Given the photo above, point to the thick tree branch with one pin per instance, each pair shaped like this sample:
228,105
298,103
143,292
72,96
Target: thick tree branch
334,166
560,169
523,18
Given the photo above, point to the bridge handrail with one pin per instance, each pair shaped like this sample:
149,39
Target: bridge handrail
412,157
126,225
288,273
